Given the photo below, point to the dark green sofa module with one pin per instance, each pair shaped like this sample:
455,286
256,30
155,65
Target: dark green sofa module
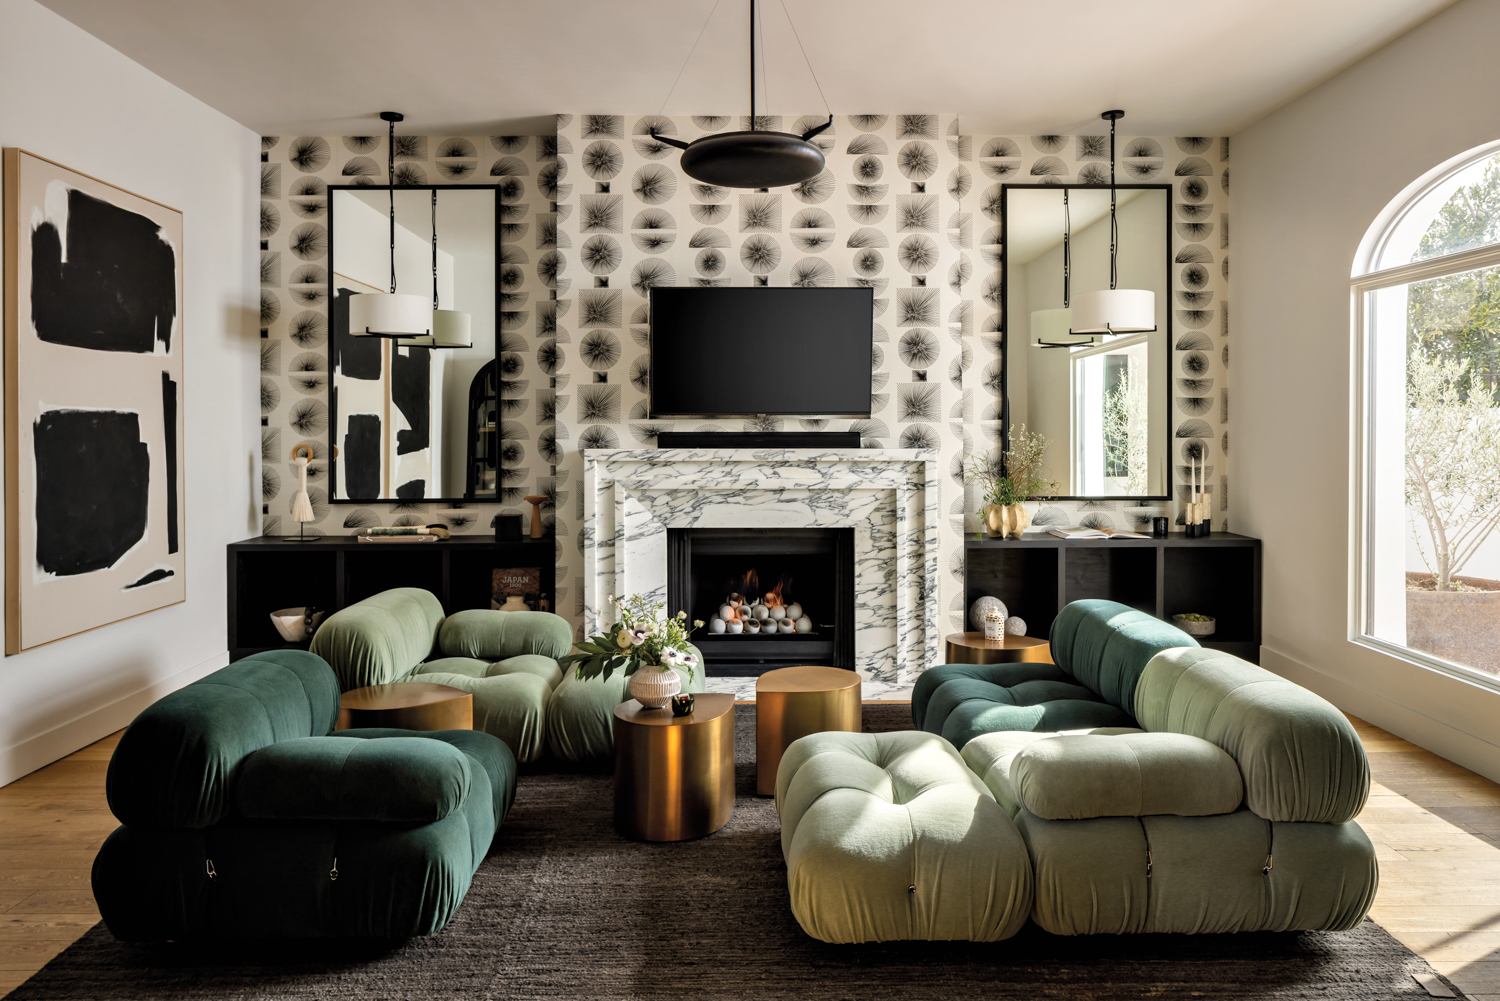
1099,648
242,817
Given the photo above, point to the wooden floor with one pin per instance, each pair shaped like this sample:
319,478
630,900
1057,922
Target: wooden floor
1436,827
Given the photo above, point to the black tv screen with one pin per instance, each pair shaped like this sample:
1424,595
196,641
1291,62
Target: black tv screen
733,352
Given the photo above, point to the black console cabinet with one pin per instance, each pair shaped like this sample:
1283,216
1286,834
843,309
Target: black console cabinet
268,573
1217,575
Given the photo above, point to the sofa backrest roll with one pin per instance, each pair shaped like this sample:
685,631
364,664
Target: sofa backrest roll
1300,757
1106,646
379,640
486,634
176,762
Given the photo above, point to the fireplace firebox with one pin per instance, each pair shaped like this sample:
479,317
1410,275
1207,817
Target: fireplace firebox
768,597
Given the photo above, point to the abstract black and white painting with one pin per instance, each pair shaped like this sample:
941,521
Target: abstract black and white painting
94,475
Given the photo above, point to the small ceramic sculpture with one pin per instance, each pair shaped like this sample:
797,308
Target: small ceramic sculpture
716,625
804,624
786,626
980,606
777,612
794,611
1015,626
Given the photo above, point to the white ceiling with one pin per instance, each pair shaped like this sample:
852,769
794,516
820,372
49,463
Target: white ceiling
484,67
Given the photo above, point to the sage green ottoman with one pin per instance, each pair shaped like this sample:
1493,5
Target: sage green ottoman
890,836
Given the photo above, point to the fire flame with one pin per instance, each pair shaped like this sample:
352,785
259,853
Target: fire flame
741,600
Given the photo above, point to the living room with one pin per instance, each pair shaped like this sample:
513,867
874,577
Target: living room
766,546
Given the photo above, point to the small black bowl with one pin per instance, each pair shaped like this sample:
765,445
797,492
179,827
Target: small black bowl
682,705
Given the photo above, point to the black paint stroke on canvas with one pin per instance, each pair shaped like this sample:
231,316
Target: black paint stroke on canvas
93,476
117,290
361,457
411,392
169,440
160,573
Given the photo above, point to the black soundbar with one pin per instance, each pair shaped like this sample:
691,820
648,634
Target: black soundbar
758,439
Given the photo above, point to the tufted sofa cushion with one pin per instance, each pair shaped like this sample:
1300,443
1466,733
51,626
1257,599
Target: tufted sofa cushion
1300,757
1077,777
380,639
396,780
889,836
1106,645
175,763
963,701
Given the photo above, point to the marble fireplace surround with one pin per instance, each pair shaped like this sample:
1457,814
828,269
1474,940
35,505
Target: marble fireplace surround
888,496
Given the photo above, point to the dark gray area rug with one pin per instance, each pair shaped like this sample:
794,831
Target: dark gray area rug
565,908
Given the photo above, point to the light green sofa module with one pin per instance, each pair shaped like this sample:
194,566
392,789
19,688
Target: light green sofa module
889,836
507,660
1231,811
580,716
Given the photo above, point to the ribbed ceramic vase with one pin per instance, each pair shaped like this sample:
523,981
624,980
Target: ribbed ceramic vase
1006,521
653,687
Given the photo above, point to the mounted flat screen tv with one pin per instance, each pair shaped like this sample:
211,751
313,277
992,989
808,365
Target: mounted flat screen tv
742,352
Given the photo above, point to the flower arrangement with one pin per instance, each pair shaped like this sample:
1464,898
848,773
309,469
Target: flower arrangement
1017,475
642,636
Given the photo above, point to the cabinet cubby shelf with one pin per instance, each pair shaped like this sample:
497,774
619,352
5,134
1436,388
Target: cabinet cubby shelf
268,573
1217,575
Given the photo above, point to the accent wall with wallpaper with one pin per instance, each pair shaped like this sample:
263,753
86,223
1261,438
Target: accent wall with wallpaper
598,214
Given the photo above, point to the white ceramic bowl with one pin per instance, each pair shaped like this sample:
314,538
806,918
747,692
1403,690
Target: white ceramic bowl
292,623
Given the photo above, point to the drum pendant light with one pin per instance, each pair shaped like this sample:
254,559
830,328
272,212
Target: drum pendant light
1114,310
450,328
1052,323
387,314
752,159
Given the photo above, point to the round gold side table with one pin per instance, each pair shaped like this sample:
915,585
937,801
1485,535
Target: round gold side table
795,701
973,648
674,775
406,705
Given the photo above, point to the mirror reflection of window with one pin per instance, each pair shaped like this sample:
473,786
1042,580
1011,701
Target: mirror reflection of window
1103,406
407,423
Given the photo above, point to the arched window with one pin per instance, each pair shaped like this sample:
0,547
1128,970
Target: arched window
1426,297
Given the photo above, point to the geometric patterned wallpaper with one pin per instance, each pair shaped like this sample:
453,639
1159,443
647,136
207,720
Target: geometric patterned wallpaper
599,213
295,173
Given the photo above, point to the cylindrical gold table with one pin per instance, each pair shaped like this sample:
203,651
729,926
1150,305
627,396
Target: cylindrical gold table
674,775
795,701
973,648
406,705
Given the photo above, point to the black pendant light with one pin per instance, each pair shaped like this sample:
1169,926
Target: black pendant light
753,158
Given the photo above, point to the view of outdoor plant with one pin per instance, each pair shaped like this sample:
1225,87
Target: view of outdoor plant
1452,458
1125,429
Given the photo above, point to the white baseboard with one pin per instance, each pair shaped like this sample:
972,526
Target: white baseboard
43,749
1443,739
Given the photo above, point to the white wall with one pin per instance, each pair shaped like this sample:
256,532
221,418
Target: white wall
68,97
1308,181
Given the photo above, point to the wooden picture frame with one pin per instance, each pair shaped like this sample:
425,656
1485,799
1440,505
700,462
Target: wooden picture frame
95,514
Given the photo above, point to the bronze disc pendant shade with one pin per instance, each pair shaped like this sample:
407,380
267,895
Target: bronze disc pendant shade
752,158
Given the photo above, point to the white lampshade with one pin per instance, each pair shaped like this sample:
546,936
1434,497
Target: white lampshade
390,314
450,329
1051,325
1114,311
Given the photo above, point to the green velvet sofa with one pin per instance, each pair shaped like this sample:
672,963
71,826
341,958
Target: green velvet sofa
1145,783
244,818
507,660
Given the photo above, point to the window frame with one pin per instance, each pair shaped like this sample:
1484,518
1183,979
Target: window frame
1362,467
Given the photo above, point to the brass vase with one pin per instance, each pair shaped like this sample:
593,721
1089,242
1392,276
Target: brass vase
1006,521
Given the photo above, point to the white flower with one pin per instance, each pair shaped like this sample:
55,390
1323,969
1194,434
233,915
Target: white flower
634,637
674,658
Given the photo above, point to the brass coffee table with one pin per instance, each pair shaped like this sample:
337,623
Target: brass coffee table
406,705
674,775
973,648
793,702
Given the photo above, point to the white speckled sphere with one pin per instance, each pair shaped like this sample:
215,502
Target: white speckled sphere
981,606
1015,626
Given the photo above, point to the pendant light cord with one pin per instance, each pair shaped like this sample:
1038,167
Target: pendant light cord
806,60
390,186
752,65
434,250
689,58
1114,226
1067,251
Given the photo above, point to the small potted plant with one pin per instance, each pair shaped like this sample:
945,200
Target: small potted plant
1195,624
646,644
1007,484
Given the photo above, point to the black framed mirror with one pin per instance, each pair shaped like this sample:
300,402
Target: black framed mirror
1103,401
411,423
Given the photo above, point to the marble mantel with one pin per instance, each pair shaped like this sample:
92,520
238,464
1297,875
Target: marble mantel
888,496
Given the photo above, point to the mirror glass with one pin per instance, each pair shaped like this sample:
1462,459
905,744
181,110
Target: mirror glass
1101,401
414,423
